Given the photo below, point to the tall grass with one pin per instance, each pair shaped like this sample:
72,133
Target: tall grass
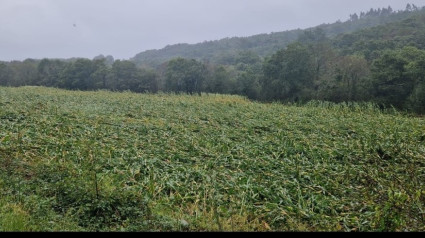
102,161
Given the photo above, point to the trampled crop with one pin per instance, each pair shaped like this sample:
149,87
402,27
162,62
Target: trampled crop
89,161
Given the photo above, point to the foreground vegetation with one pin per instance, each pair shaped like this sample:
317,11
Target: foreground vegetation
102,161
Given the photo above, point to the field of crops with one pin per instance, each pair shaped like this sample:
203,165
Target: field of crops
102,161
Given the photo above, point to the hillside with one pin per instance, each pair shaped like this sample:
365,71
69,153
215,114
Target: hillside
103,161
394,35
221,51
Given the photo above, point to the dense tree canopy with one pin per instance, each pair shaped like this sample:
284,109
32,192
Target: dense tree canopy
287,73
185,75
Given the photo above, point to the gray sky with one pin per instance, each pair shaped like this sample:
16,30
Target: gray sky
123,28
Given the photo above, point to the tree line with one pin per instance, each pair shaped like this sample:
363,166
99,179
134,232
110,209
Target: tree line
78,74
301,72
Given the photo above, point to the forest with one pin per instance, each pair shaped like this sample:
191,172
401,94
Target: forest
377,56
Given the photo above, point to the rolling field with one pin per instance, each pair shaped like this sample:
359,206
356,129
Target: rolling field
102,161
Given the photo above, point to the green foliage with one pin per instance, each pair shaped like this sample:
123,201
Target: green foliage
102,161
288,72
21,73
398,77
49,71
5,74
183,75
397,34
78,75
126,76
248,84
219,81
347,80
12,217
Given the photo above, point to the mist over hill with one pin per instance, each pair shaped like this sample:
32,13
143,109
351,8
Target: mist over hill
225,51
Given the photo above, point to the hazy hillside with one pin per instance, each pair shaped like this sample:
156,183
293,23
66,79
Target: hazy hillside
222,51
406,32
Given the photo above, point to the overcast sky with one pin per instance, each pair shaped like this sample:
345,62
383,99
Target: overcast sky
123,28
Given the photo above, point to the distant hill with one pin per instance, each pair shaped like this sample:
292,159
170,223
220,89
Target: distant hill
219,51
406,32
225,50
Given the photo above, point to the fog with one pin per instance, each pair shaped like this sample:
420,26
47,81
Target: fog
122,28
